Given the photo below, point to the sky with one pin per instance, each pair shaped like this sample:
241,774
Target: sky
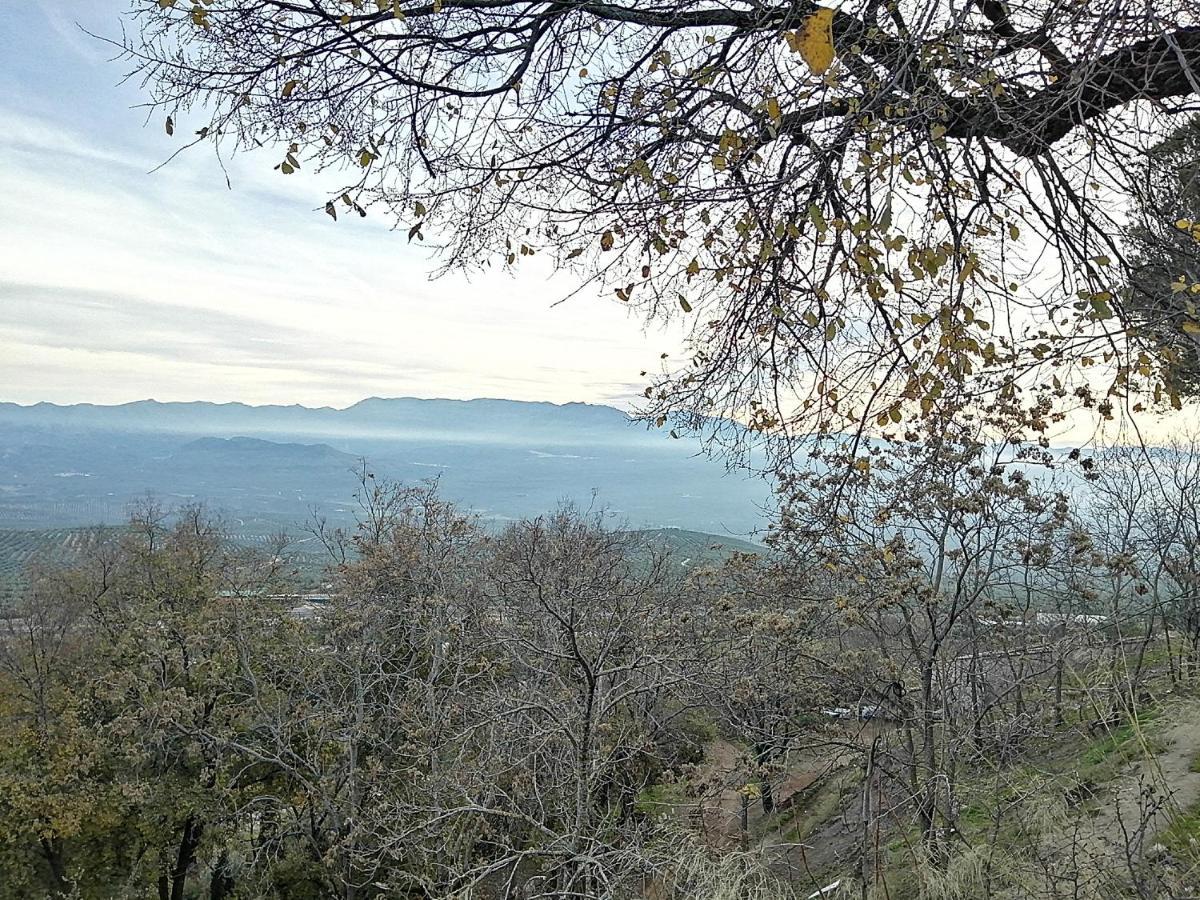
122,279
119,284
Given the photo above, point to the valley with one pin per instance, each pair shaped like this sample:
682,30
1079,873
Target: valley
271,468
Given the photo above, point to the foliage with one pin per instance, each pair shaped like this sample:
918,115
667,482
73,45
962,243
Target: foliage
540,711
861,213
1165,254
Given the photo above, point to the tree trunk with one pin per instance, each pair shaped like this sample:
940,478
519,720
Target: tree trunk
1059,666
52,850
188,844
869,861
762,756
222,883
927,802
745,820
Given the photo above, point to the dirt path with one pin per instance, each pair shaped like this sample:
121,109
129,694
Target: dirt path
1098,845
721,784
720,803
1142,801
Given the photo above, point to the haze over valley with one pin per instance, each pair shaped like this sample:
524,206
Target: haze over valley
271,467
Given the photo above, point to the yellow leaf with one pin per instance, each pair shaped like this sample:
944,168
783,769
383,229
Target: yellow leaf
814,42
1191,327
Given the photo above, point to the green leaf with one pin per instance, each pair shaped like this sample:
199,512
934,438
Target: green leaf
817,218
1100,307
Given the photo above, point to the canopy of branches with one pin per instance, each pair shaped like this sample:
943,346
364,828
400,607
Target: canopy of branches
861,213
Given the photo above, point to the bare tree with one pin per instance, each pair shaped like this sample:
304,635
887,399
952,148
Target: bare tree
586,620
927,553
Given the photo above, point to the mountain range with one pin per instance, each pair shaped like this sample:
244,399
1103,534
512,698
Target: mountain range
271,467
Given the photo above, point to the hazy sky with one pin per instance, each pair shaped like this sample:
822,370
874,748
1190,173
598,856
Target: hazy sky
116,284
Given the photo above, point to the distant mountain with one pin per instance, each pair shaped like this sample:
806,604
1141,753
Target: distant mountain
241,451
267,467
374,417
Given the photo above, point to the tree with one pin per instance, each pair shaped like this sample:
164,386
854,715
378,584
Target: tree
63,812
486,712
586,621
1165,258
925,550
762,674
115,677
860,212
1145,529
166,651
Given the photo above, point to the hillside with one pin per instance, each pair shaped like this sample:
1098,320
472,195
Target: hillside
240,451
695,547
20,549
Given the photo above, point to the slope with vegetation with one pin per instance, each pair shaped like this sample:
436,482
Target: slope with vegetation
965,687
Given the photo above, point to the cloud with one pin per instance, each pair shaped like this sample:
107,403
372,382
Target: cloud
68,28
156,278
117,284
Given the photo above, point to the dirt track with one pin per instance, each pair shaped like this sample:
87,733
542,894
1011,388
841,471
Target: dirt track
1162,784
